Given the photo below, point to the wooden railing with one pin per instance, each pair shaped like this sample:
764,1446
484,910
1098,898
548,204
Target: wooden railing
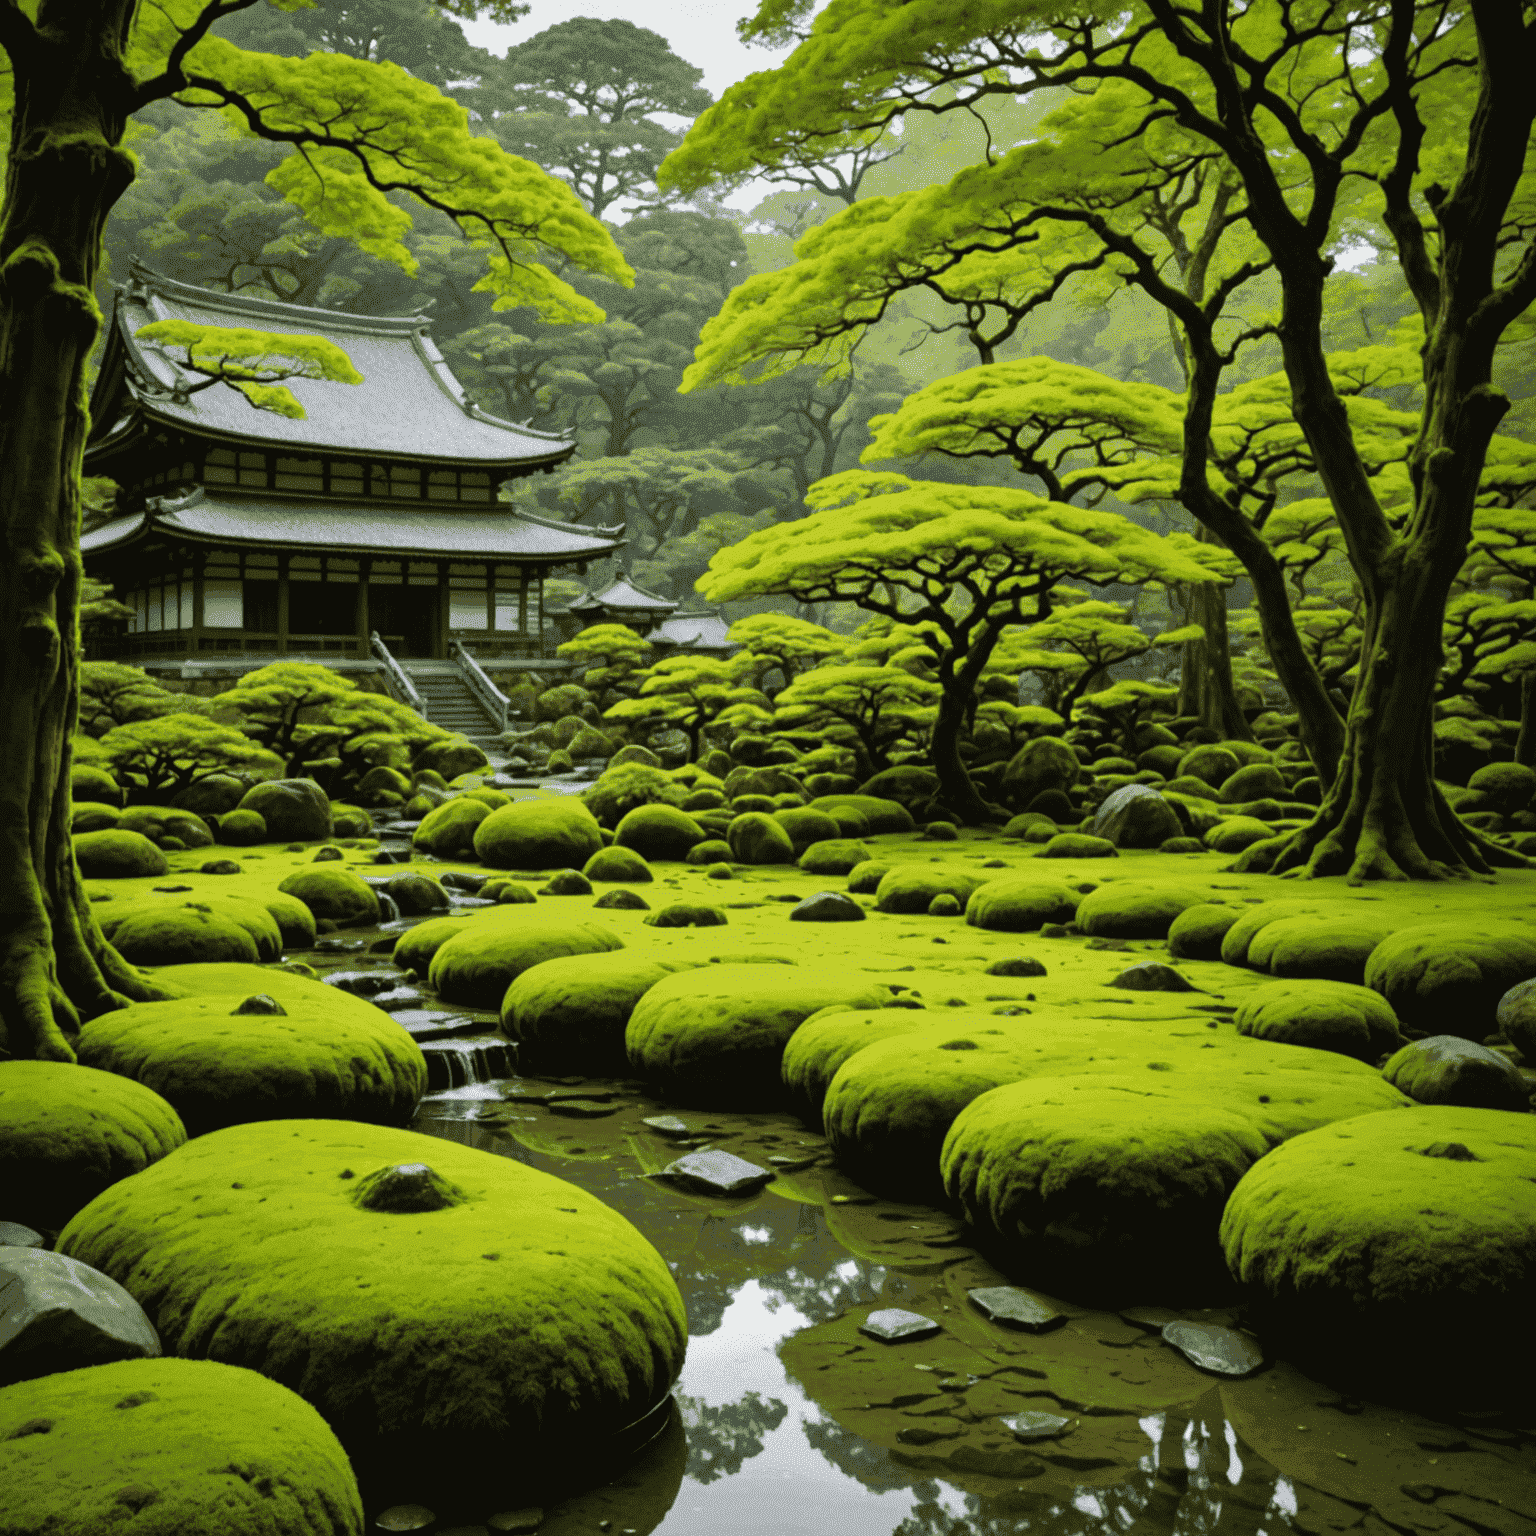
396,682
491,698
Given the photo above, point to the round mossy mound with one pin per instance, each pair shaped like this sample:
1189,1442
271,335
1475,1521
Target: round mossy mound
117,855
1336,947
1020,904
415,947
1134,909
1196,933
658,832
182,933
507,1316
337,894
906,783
823,1043
618,865
1396,1251
158,822
1232,834
1447,976
477,964
1077,845
1256,781
171,1448
864,879
910,888
448,830
87,782
1445,1069
1210,763
295,810
241,829
92,816
716,1036
1249,922
67,1132
569,1015
755,837
835,856
877,813
538,834
322,1057
715,851
807,827
1325,1015
887,1109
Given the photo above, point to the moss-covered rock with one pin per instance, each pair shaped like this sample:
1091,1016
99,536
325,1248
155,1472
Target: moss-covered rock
1325,1015
1077,845
1135,909
416,946
569,1015
1055,805
338,894
744,780
1396,1250
835,856
92,816
294,810
448,830
1326,947
67,1132
1041,764
1445,1069
480,1309
168,931
1196,933
627,783
704,800
1447,976
877,813
350,820
807,827
88,782
1507,787
911,888
389,780
1134,816
716,1036
1210,762
692,914
713,850
619,864
451,757
1113,1185
1232,834
213,796
756,838
1188,785
906,783
1256,781
864,879
822,1044
193,1447
635,753
658,832
241,829
476,964
328,1055
117,855
558,833
1020,904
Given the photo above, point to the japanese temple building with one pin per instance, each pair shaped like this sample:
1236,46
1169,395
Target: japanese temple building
622,601
242,535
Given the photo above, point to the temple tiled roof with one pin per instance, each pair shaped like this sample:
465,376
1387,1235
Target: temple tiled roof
623,594
269,521
408,406
694,632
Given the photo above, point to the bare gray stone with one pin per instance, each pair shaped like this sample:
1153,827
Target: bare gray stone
1015,1307
1445,1069
14,1235
1033,1425
668,1125
893,1325
1135,816
827,907
1221,1351
718,1173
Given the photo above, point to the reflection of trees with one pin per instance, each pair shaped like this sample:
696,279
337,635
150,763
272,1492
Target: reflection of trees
721,1438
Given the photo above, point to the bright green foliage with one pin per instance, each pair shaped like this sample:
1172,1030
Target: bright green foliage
1126,703
174,751
272,700
614,654
881,706
114,694
688,692
779,640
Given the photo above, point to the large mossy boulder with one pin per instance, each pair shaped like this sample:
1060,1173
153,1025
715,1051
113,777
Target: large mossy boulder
1324,1015
294,810
117,855
835,856
159,822
1233,834
451,757
1136,909
1446,976
1508,788
476,1310
1020,904
1112,1186
877,814
628,782
911,888
1210,762
332,892
1196,933
475,965
67,1132
807,827
93,816
569,1015
1445,1069
906,783
88,782
756,838
658,832
1043,763
241,829
557,833
1255,781
169,1447
213,796
1135,816
1077,845
822,1044
191,932
220,1059
448,830
716,1036
1396,1253
1320,946
618,865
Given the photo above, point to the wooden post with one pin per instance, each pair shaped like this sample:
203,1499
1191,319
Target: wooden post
440,637
282,605
364,566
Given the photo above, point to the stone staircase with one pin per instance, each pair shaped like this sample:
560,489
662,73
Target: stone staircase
450,702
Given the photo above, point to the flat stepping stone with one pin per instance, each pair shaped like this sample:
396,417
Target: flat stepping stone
581,1109
399,999
405,1517
1221,1351
1016,1308
792,1164
718,1173
437,1024
57,1314
667,1125
1034,1425
893,1325
1152,976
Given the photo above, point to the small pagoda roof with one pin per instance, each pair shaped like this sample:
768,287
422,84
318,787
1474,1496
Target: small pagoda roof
622,595
704,631
271,522
409,405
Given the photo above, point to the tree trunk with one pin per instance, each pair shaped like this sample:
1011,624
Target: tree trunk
65,172
1384,818
1525,743
956,791
1205,683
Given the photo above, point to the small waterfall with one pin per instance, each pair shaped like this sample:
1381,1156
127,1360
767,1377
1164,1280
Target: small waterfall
389,909
467,1060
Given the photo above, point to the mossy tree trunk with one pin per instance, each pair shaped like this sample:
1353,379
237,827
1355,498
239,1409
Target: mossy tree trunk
1205,680
65,172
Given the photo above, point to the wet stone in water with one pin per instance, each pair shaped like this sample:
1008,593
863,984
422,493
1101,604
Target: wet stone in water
1016,1308
1016,965
1222,1351
516,1520
405,1517
340,946
668,1125
718,1173
893,1325
365,983
827,907
14,1235
581,1109
1152,976
1036,1426
397,999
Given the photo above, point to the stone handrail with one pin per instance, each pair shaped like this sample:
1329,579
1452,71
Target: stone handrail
398,684
490,696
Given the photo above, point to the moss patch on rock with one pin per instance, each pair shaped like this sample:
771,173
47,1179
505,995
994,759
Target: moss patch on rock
478,962
117,855
1446,977
538,834
1325,1015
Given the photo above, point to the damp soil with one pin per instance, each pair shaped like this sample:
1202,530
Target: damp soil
787,1419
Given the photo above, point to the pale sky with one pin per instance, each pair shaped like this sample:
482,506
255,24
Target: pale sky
701,31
